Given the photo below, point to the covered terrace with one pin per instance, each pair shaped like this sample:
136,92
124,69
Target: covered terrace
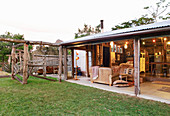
146,48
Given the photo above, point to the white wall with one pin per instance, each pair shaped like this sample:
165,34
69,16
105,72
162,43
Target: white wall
82,59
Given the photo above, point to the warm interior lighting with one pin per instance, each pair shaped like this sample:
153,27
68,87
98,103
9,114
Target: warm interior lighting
153,40
156,53
143,43
126,42
159,53
165,39
112,43
125,46
118,46
168,43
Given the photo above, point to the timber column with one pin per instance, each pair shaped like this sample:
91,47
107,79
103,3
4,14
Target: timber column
13,62
25,64
44,66
137,65
87,63
60,62
65,63
72,55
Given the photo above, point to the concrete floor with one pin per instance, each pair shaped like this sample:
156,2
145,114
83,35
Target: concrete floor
148,89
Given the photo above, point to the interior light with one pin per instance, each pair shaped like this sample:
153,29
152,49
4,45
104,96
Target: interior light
112,43
153,40
165,39
118,46
126,42
159,53
143,43
125,46
168,43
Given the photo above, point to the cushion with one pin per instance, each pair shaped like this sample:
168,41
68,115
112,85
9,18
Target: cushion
116,69
130,71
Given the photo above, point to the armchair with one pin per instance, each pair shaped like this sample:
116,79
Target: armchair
104,76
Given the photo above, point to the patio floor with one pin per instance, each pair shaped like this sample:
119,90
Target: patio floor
157,92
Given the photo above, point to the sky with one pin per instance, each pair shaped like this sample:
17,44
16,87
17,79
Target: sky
49,20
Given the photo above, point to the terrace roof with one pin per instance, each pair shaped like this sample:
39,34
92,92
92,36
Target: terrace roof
144,31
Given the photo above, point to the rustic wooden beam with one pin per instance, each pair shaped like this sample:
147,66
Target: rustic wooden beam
20,59
37,55
43,78
25,64
60,62
40,65
12,40
18,50
80,48
20,44
13,62
72,55
65,63
18,79
44,66
43,43
5,76
137,65
28,42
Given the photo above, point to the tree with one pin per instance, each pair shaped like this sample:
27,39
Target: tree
157,10
161,7
6,47
132,23
87,30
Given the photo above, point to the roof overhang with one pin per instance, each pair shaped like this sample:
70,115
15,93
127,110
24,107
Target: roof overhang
145,31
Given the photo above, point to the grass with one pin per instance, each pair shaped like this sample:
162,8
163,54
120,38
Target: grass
42,97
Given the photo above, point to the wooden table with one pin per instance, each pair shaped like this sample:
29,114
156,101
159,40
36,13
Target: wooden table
162,63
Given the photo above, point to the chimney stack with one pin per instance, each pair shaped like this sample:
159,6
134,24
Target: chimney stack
101,24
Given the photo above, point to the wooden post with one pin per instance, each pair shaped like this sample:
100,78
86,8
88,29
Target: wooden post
87,63
20,59
92,55
101,54
65,63
44,66
137,65
72,54
60,62
25,64
13,63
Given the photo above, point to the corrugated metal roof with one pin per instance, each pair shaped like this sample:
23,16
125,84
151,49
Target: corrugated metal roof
121,31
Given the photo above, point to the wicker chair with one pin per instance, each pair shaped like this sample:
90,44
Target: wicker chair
104,76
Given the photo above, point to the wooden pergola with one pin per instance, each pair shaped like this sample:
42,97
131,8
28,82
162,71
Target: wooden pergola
24,43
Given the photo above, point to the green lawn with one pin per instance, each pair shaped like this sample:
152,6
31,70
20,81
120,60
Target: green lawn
42,97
